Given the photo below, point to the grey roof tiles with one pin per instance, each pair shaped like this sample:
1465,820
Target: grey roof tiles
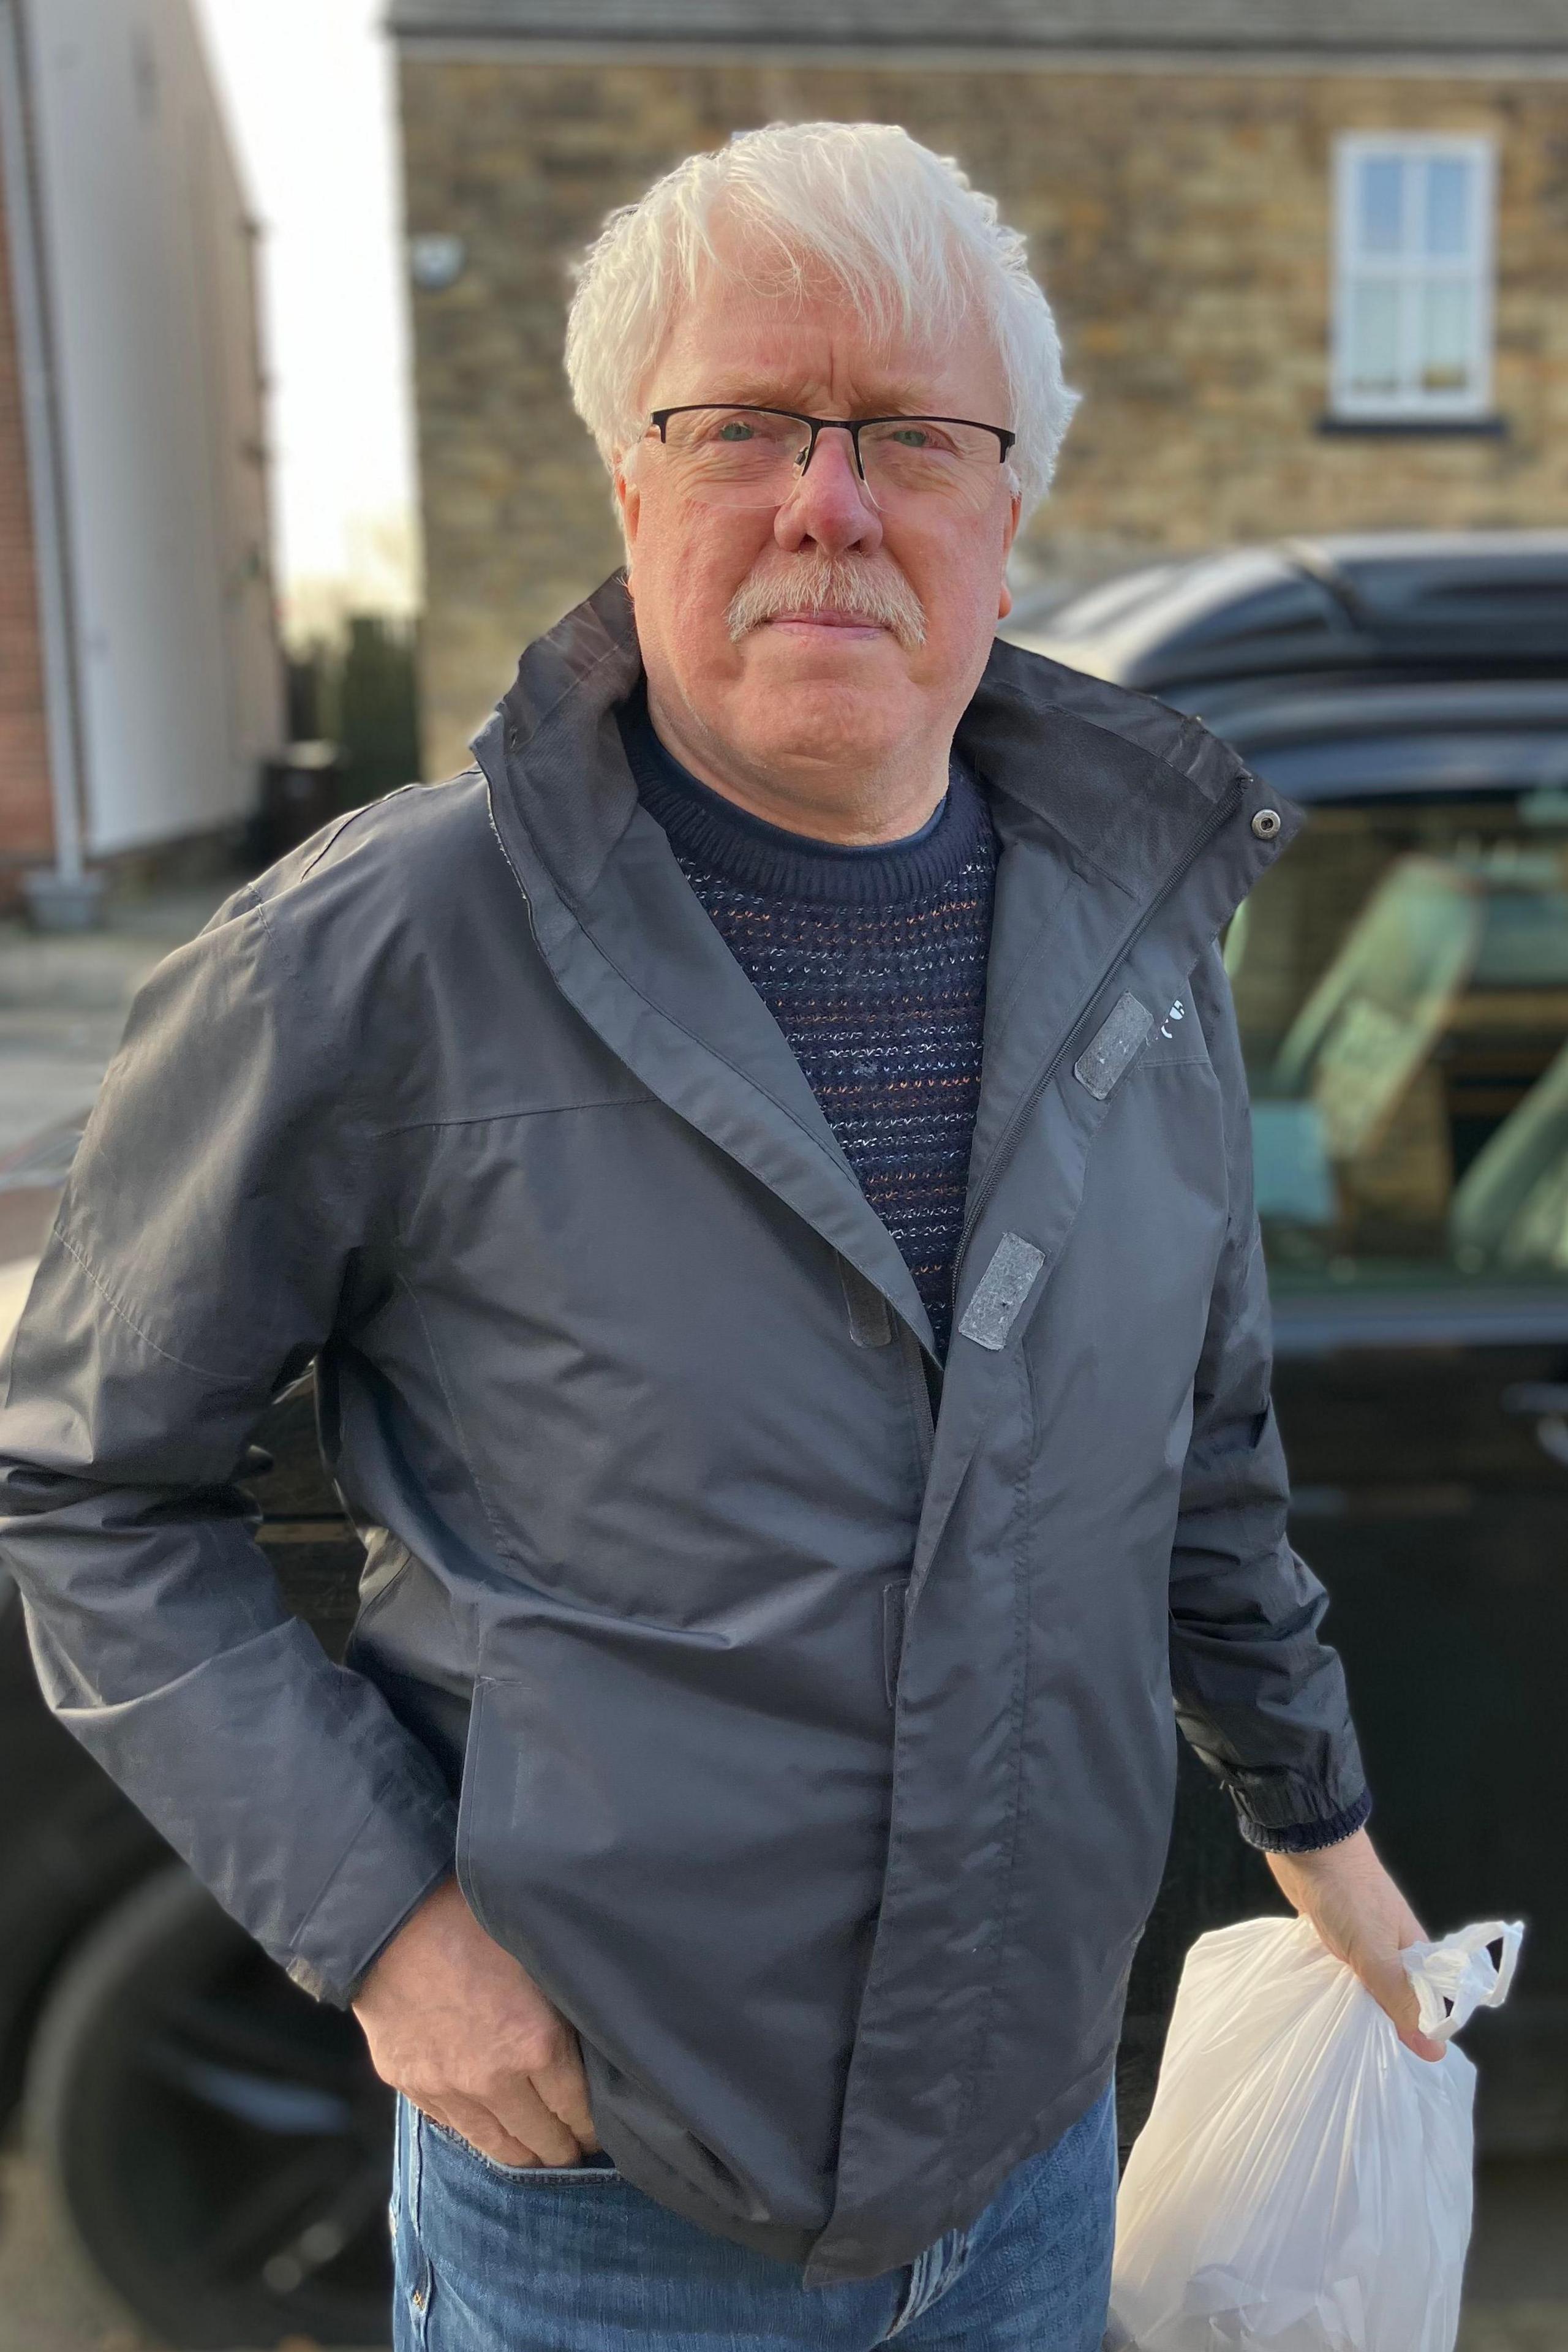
1428,27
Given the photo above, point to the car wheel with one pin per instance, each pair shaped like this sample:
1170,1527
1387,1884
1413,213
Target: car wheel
219,2139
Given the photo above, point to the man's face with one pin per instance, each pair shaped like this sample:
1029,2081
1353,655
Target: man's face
812,690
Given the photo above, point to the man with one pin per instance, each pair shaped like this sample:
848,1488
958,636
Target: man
761,1164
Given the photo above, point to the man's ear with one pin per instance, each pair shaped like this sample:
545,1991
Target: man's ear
629,511
1009,533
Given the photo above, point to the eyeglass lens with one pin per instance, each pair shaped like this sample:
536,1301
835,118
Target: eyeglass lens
750,457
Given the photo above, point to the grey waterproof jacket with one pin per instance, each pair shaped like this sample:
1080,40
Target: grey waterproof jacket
810,1704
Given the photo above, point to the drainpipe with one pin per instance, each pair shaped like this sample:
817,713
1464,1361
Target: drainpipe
66,896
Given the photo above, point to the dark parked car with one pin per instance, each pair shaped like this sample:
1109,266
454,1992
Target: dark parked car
1401,981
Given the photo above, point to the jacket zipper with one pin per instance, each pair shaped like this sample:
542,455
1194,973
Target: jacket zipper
522,888
1008,1142
920,1406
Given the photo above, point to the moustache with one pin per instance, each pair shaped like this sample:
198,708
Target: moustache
831,583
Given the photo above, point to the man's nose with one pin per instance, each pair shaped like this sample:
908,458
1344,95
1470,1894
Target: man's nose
829,504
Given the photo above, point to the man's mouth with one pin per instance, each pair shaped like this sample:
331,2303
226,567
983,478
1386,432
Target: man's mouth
804,619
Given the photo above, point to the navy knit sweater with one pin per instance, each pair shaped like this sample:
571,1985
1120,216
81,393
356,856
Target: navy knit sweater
872,961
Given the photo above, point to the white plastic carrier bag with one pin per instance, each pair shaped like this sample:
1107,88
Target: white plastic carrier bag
1303,2181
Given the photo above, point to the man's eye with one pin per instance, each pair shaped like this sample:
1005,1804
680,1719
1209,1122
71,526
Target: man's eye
735,428
911,436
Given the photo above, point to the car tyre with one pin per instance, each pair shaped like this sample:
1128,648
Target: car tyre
218,2141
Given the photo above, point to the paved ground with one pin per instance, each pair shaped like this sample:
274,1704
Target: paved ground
62,1005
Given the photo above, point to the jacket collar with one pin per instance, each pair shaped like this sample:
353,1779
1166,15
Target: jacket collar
1116,797
1112,815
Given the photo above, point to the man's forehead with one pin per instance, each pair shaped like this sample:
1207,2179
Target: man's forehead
791,379
800,348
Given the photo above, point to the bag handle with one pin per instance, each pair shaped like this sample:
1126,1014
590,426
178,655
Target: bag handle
1455,1975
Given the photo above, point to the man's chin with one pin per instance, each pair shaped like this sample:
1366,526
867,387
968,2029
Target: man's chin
817,722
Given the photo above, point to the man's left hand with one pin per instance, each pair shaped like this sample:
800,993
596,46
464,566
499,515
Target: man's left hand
1364,1920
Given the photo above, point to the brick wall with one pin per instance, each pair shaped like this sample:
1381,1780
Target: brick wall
27,826
1180,223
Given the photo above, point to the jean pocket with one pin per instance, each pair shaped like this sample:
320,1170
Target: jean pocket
594,2168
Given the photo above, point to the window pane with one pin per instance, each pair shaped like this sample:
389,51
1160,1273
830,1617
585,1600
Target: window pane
1400,978
1448,310
1373,337
1380,212
1448,206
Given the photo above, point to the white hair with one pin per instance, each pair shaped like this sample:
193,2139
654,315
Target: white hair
898,227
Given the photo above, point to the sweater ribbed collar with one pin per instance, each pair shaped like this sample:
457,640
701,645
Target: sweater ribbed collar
707,830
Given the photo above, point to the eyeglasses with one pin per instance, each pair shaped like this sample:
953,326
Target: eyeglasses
738,456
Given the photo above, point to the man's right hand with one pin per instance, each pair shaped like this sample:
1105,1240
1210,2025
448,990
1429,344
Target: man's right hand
454,2022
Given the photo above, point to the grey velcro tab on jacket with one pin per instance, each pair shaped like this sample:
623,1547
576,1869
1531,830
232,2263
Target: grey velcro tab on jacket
1003,1287
1113,1047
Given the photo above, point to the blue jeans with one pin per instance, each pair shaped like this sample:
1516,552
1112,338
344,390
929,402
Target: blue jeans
490,2258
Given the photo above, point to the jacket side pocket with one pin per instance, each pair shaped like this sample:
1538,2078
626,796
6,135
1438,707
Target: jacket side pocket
894,1597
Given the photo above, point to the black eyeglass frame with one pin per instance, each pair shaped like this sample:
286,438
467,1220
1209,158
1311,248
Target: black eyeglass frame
854,426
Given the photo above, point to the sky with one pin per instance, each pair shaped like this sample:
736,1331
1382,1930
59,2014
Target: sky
308,89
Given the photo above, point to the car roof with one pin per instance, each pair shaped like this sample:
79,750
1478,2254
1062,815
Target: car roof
1400,604
1373,740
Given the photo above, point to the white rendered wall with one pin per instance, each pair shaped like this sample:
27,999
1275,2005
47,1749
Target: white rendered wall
149,265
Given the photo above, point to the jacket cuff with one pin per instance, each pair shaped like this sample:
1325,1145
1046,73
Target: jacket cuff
392,1862
1307,1837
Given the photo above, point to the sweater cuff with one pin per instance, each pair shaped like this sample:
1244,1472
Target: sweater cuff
1307,1837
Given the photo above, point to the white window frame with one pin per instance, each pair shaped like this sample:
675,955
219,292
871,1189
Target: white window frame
1411,273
